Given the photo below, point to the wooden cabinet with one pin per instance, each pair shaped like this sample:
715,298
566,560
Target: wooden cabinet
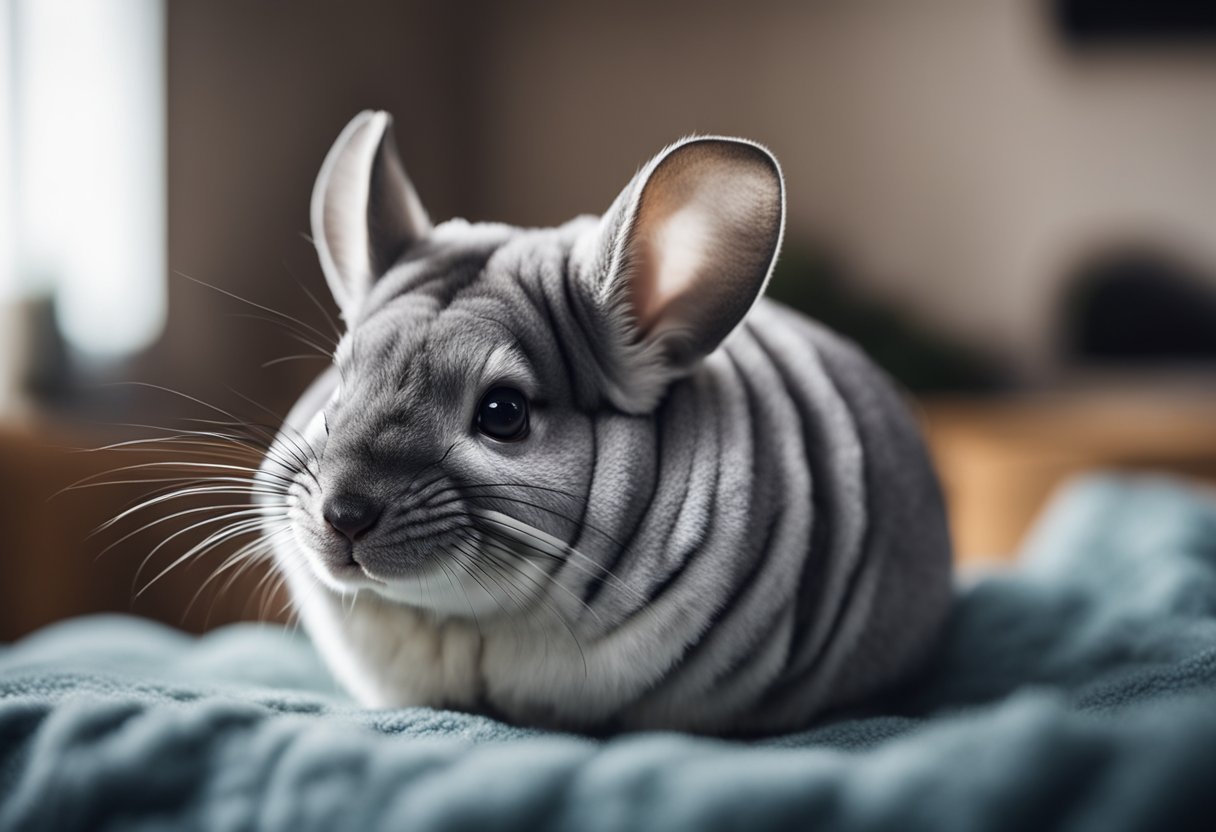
52,558
1001,459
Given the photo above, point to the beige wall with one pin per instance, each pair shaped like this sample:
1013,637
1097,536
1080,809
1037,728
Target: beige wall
952,150
257,91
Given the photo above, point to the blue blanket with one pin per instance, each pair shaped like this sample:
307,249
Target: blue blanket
1077,692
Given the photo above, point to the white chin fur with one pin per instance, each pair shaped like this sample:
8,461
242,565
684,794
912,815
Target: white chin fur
449,590
452,592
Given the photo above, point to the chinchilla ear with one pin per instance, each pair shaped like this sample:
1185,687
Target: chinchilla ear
682,255
364,210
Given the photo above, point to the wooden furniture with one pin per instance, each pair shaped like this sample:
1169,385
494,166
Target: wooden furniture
56,564
1000,459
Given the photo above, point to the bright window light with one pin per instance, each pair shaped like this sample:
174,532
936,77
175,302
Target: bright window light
8,279
88,93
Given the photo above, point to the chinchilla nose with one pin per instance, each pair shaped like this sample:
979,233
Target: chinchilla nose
351,514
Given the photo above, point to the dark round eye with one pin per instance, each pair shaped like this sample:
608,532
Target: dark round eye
503,414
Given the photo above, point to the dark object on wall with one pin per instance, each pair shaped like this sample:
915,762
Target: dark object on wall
1095,22
919,358
1140,308
48,373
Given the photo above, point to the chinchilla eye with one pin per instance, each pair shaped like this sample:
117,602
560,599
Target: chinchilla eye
503,414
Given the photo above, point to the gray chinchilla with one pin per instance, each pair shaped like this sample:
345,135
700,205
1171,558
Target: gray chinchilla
585,477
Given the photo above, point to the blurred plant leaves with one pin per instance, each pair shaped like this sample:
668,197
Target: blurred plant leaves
921,359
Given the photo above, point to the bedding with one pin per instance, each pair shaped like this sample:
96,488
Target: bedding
1075,691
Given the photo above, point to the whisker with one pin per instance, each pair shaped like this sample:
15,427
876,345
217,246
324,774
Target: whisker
284,359
249,560
248,552
179,480
295,453
215,538
156,500
577,522
256,305
472,566
452,582
552,581
324,312
269,435
285,429
405,490
480,563
467,565
159,465
254,515
431,528
603,573
322,350
223,518
552,609
259,445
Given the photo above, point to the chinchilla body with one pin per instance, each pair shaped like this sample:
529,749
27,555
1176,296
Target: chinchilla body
583,478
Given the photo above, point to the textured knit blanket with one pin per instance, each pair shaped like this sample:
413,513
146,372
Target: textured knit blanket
1077,691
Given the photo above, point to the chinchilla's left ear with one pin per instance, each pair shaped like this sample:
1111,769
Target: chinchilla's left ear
365,212
681,256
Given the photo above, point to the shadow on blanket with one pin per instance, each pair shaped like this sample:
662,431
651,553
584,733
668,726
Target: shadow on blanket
1076,692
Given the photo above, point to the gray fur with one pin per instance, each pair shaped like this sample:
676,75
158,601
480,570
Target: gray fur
722,521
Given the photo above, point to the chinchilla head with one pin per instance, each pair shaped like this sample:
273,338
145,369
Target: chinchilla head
496,387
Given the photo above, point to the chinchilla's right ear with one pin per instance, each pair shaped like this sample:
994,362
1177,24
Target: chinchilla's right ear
678,261
364,210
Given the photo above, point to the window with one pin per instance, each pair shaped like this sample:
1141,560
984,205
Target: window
82,168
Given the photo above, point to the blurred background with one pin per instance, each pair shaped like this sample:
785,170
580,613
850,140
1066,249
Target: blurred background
1011,204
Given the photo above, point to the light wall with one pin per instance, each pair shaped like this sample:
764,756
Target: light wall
257,91
953,151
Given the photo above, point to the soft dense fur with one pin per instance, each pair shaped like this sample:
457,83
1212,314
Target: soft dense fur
721,519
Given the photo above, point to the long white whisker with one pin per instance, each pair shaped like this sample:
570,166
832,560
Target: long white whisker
510,564
519,560
324,312
260,512
212,540
185,482
146,504
256,305
240,562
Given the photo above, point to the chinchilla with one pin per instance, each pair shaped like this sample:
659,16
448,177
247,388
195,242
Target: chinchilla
585,477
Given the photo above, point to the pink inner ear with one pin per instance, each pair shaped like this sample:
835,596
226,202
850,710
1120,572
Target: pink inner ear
674,236
701,215
673,257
